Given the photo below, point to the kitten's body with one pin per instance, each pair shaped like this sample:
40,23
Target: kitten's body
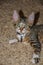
26,33
31,34
35,43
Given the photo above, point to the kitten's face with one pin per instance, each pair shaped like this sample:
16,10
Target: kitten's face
21,31
21,28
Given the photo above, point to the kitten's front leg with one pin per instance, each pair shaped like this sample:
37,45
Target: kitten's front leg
19,38
36,54
13,41
34,41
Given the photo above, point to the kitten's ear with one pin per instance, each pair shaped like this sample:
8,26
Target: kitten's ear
15,16
31,18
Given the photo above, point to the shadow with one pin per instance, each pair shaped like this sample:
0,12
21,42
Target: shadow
3,1
36,18
41,2
6,1
21,14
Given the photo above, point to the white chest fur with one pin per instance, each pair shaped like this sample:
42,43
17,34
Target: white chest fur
21,34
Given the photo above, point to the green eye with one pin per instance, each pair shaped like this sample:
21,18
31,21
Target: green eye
18,25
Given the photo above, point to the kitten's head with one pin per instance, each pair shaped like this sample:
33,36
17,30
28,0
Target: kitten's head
22,22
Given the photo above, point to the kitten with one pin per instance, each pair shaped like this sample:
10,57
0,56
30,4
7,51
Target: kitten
22,27
27,30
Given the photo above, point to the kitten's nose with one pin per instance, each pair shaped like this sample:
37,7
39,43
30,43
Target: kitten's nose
21,29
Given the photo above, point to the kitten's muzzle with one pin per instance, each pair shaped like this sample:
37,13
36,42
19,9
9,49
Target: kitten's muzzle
21,29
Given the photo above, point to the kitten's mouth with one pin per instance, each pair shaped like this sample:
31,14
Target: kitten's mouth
18,33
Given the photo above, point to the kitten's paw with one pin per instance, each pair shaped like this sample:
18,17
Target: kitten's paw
35,58
13,41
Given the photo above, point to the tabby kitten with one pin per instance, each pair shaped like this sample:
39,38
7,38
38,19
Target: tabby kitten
22,27
27,30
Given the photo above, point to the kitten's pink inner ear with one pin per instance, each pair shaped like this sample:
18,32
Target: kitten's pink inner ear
15,16
31,18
